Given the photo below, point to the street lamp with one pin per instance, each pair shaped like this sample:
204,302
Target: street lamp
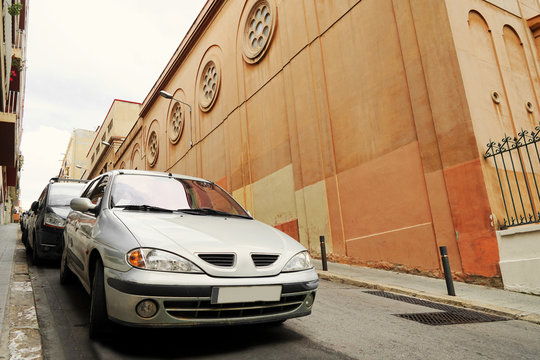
106,143
166,95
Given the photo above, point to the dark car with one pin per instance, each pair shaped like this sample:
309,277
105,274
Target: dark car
45,225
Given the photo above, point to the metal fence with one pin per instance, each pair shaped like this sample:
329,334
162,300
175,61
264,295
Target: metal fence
515,161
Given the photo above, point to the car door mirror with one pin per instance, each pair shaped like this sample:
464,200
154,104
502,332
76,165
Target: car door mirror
82,204
34,206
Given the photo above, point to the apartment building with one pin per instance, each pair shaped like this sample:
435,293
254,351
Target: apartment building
75,163
100,156
12,83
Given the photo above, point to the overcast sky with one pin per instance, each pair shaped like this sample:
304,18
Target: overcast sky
81,55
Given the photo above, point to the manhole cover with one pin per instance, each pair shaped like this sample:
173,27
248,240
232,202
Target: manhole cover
449,315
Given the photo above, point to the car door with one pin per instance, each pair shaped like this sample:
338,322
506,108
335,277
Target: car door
37,220
78,232
88,221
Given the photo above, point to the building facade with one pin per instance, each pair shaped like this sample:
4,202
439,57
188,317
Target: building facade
109,136
12,82
75,162
362,121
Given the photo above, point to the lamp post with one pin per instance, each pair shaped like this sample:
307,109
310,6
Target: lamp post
166,95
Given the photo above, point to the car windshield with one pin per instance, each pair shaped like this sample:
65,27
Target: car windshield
61,194
147,192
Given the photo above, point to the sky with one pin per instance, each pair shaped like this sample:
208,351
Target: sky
81,55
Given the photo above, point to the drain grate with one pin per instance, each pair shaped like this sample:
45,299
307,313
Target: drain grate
449,315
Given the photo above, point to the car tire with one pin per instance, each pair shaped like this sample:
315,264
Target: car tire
66,275
36,260
99,320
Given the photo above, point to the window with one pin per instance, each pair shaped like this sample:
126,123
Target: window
93,156
97,192
209,85
110,126
103,137
89,188
258,30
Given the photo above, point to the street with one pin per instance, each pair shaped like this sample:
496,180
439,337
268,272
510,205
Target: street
347,323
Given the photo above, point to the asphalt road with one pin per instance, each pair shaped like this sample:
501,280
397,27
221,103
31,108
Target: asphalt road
347,323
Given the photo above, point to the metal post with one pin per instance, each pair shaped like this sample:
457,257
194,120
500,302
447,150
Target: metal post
323,253
447,272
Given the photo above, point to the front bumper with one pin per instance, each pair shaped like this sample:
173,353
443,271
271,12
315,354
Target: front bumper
186,299
48,243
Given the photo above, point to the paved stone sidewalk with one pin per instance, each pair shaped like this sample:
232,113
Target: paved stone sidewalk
20,336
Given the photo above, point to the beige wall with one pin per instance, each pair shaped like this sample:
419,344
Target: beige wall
364,121
75,154
117,124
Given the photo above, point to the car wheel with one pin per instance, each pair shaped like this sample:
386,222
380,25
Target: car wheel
66,275
98,305
36,260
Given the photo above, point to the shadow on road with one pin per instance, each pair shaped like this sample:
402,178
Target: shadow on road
70,307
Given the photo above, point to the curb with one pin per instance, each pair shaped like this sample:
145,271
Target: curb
23,333
449,300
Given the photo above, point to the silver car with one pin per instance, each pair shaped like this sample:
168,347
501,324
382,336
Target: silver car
163,250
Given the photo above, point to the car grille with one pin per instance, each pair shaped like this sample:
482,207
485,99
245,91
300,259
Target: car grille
221,260
204,309
264,259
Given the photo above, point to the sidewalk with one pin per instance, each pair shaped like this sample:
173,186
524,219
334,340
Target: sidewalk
20,337
496,301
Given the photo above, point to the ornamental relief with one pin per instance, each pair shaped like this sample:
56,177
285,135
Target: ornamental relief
209,84
153,148
176,122
259,26
152,144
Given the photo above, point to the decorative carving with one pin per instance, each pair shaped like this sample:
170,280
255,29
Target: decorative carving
176,122
153,148
258,30
209,85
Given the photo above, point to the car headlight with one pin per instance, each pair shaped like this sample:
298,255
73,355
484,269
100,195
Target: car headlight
159,260
54,220
300,261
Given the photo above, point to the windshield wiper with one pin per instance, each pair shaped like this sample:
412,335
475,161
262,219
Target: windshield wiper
209,211
143,207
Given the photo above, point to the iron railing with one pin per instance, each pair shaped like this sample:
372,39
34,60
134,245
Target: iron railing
515,159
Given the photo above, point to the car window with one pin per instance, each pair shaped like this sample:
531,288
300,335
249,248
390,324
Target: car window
42,197
86,193
99,191
171,193
61,194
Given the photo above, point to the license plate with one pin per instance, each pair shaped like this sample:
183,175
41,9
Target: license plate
235,294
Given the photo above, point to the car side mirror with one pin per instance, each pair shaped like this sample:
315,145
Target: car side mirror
34,206
82,204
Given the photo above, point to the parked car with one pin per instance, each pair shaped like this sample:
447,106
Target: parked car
45,226
160,250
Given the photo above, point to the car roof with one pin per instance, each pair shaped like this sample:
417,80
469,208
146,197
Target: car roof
155,173
66,185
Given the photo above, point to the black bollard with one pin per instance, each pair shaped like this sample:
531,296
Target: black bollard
447,272
323,254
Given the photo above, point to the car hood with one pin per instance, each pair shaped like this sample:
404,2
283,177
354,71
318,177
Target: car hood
191,235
